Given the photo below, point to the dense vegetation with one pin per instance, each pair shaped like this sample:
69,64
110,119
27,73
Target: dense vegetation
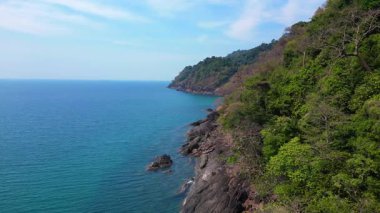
307,130
211,73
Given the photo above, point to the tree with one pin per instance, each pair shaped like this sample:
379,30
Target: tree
347,30
320,122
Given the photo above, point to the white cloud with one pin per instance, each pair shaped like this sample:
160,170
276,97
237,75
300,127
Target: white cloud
89,7
257,12
47,17
170,7
212,24
22,16
296,10
251,17
222,2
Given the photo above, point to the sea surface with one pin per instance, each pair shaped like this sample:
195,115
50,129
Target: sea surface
83,146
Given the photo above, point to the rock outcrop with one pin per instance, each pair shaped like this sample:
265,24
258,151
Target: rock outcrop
160,162
198,134
216,188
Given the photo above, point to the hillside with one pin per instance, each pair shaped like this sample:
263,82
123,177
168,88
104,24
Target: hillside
304,117
212,73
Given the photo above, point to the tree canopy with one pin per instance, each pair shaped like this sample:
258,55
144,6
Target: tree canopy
319,112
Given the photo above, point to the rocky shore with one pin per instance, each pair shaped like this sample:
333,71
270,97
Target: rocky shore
217,186
198,91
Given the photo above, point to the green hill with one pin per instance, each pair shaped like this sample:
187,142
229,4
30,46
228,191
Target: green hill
211,73
305,115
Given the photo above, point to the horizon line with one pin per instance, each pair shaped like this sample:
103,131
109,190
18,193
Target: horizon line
66,79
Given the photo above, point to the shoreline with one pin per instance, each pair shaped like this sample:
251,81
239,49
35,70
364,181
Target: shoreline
217,186
194,92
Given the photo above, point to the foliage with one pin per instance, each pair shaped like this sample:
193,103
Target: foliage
319,112
305,110
280,131
292,165
213,72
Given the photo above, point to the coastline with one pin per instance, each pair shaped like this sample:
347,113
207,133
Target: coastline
217,185
194,91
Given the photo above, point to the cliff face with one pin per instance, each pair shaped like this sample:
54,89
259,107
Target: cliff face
212,73
217,188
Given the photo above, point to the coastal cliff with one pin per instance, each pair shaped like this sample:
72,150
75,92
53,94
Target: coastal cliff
299,128
217,187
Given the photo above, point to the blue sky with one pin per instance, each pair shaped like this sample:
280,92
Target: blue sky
133,39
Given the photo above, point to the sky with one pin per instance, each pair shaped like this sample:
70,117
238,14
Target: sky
133,39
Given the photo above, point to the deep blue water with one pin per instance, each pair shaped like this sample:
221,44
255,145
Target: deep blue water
82,146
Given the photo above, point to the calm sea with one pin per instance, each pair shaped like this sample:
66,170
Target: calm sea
82,146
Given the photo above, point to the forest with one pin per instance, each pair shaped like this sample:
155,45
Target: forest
305,114
213,72
317,113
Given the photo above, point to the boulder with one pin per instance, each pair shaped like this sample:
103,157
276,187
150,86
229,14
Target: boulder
161,162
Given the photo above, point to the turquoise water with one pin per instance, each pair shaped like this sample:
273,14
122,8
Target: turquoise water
82,146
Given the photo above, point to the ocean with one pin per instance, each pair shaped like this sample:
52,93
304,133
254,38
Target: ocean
83,146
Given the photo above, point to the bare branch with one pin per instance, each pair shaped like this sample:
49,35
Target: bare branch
345,35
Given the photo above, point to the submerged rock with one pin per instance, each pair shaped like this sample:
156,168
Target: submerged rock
168,172
161,162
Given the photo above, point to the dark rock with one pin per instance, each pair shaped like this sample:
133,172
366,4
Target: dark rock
197,123
209,110
214,189
203,161
190,146
213,116
201,130
160,162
